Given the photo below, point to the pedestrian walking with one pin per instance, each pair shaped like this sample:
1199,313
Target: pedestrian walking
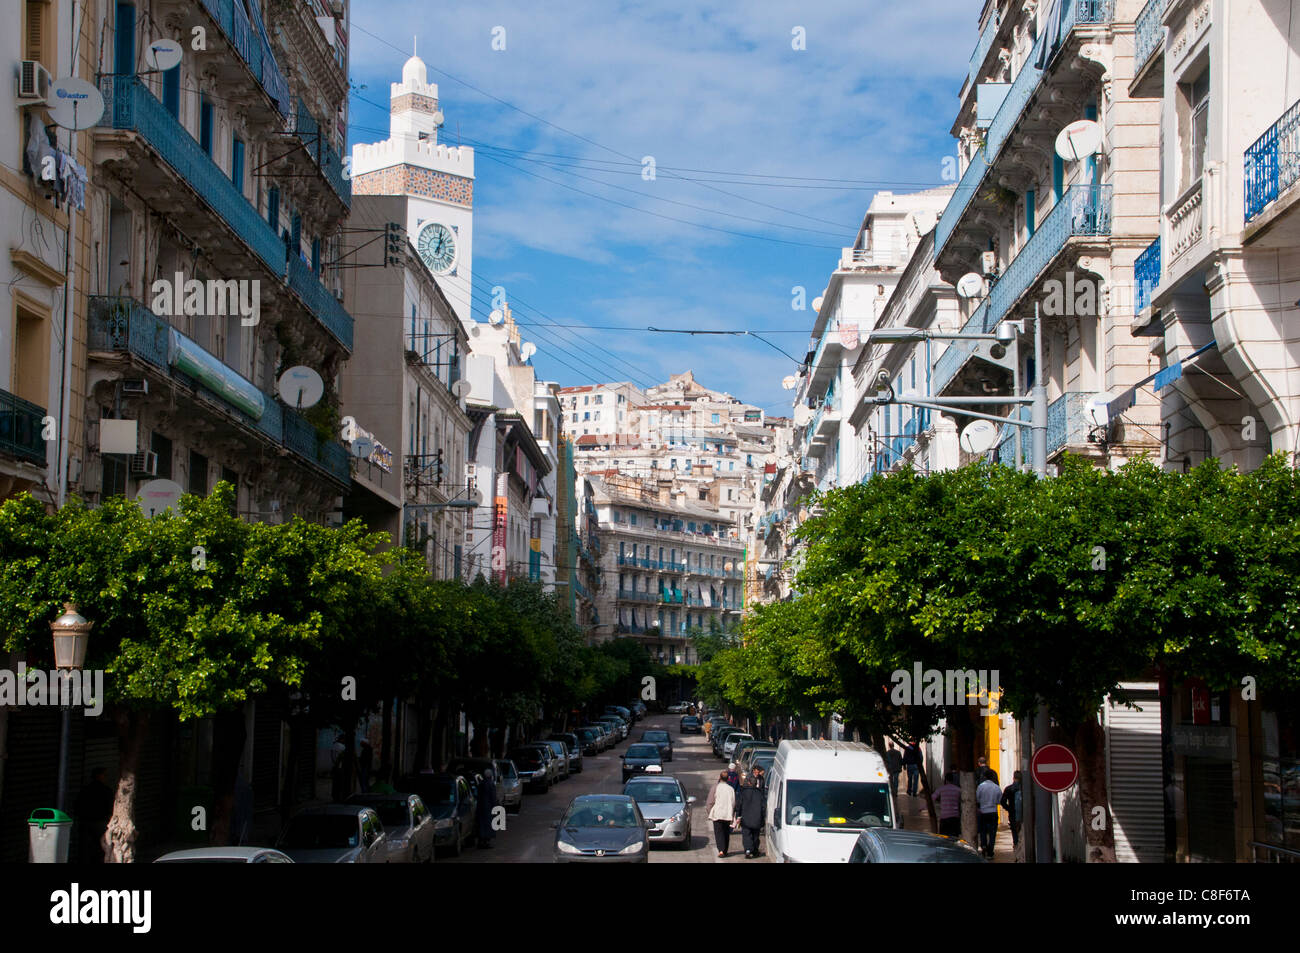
733,777
721,808
487,801
893,761
912,762
949,798
1012,803
981,768
750,808
760,778
987,796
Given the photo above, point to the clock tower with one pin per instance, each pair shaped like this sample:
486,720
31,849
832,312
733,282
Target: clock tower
437,179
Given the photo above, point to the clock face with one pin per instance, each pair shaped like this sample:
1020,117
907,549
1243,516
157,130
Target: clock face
437,246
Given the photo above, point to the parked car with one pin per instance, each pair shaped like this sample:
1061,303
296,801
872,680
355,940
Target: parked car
884,845
662,739
690,725
665,804
452,802
604,738
407,822
510,788
640,757
678,708
763,759
589,738
719,736
226,855
624,713
334,834
602,828
616,725
534,771
638,709
738,754
561,752
573,747
752,755
733,739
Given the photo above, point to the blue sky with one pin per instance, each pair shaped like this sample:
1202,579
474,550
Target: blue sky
563,116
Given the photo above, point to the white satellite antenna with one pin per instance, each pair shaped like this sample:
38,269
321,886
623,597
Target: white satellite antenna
789,381
461,388
802,415
495,317
476,331
971,285
979,436
301,387
75,103
362,447
438,117
528,350
1079,140
817,303
162,55
477,497
158,495
1099,410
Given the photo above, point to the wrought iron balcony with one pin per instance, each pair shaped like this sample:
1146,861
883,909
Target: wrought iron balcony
631,596
1084,210
958,352
20,428
1150,33
1146,276
1068,424
315,141
123,324
1273,163
252,49
130,106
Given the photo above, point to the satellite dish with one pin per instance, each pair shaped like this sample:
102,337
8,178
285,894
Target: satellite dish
363,447
727,567
979,436
163,54
477,497
971,285
802,414
75,103
1099,411
476,331
817,303
438,117
1079,140
495,317
301,387
461,388
789,382
159,495
528,350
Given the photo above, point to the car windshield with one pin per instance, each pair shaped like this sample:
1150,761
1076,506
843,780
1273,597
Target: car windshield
926,853
837,804
392,813
655,736
321,832
643,751
506,770
526,758
690,720
600,812
439,791
654,792
737,738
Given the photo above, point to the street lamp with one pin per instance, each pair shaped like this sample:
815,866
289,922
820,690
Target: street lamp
71,634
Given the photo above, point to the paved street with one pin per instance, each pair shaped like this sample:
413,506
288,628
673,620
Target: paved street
528,836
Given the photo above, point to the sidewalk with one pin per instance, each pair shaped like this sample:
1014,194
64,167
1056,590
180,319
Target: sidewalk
915,817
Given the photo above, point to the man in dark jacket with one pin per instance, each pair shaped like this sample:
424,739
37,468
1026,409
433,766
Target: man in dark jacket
912,762
894,762
487,800
750,810
1012,804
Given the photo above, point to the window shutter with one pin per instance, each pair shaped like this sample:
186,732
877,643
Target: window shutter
36,32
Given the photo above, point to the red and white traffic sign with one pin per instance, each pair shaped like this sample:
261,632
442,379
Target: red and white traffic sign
1055,768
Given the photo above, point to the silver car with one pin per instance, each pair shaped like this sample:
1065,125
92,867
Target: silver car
664,803
225,855
407,824
561,752
335,834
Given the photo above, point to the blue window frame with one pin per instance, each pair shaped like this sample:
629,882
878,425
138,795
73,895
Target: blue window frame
295,234
315,266
273,207
237,163
1058,178
205,124
1030,212
172,91
124,40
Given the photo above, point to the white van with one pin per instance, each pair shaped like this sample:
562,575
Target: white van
820,794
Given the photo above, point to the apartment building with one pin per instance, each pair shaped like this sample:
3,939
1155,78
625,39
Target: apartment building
403,391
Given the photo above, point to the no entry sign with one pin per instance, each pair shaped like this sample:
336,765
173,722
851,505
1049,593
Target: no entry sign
1055,768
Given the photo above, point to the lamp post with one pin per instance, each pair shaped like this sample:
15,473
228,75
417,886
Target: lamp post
71,634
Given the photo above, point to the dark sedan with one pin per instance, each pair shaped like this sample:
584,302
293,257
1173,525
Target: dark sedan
879,845
642,758
662,739
602,828
690,725
533,770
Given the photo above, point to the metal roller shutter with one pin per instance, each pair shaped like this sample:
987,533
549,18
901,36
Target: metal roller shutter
1135,776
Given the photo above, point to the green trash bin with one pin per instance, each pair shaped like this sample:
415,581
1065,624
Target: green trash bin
49,833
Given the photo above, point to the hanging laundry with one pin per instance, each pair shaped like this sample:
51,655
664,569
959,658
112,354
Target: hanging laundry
72,175
39,149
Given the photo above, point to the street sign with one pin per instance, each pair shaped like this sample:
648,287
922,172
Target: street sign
1055,768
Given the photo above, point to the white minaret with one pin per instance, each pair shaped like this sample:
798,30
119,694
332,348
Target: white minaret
437,179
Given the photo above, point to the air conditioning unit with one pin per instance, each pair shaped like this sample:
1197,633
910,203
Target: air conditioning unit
135,387
33,81
989,261
145,463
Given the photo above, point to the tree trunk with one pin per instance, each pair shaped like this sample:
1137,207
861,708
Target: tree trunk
386,743
1090,746
228,737
963,747
929,798
120,837
480,747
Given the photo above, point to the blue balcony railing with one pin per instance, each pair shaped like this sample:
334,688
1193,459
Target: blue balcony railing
1273,163
1067,421
1146,276
316,141
123,324
131,106
20,428
1022,90
958,351
1007,448
982,48
1150,33
252,49
1083,210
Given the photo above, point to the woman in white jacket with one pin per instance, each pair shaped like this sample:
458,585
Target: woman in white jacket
721,806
